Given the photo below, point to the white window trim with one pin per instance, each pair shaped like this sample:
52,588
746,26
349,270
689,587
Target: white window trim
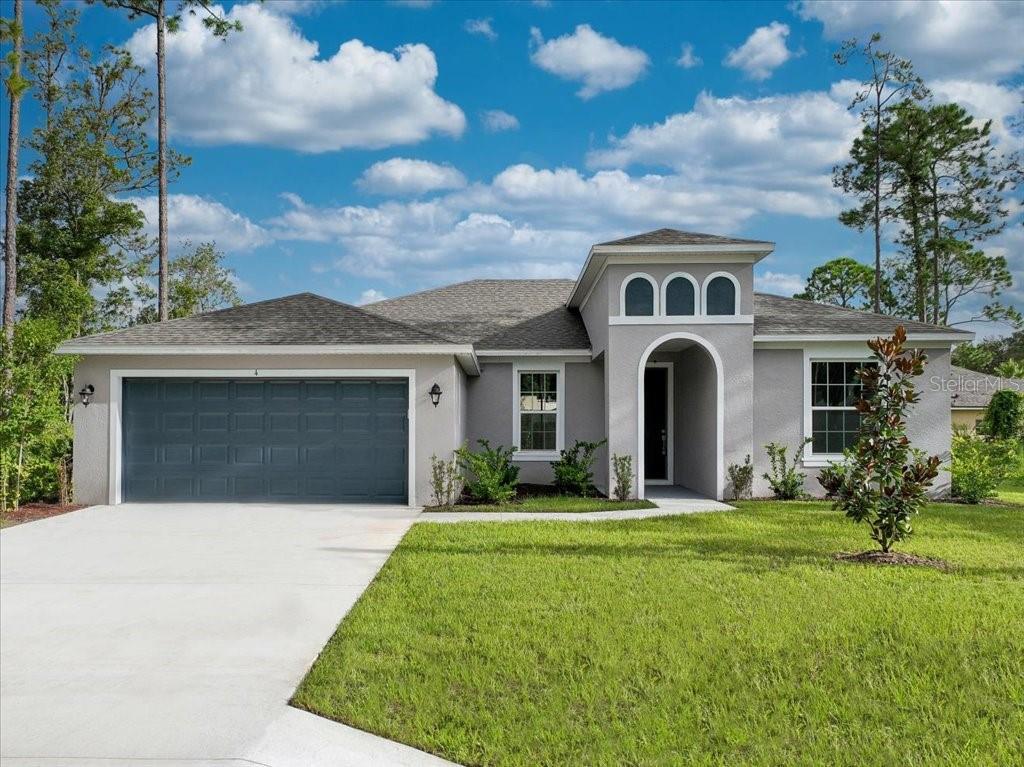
655,294
698,308
117,377
538,367
670,420
704,293
811,459
685,319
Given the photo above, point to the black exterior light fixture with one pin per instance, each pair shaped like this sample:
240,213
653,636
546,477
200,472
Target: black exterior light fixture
435,394
86,394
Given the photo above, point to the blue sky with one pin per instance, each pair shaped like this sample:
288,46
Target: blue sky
370,149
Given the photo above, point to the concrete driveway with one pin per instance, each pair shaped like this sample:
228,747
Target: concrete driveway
172,631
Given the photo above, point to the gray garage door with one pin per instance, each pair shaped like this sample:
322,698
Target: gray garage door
265,440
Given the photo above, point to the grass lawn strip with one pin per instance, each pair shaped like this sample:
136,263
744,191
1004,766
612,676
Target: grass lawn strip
550,504
705,639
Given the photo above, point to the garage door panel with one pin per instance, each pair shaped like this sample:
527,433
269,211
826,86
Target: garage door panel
318,440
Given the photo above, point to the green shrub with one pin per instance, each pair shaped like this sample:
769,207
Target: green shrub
492,475
573,475
883,480
980,465
1004,415
622,466
741,478
445,480
786,482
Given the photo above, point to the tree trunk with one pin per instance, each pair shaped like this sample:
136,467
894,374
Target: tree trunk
11,213
936,231
878,211
161,86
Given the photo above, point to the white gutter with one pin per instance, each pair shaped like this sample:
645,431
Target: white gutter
782,338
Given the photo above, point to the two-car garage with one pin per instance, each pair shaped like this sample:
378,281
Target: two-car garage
265,439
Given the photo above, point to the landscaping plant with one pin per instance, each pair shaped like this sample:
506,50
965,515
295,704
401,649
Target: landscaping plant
883,480
741,478
1004,416
980,465
492,475
786,482
573,475
622,467
445,480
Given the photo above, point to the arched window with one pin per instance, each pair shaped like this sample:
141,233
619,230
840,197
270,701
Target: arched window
720,295
680,296
638,298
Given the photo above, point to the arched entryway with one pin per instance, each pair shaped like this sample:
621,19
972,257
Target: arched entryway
680,413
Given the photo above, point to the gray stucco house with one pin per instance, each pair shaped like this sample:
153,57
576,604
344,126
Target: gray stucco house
660,345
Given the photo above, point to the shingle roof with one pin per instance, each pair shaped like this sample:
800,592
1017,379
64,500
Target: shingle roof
677,237
776,315
300,319
971,389
494,314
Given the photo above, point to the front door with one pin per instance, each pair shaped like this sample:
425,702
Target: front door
655,424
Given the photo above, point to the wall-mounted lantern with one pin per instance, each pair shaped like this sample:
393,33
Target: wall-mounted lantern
86,394
435,394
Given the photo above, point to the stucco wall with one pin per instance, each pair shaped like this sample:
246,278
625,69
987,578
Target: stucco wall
734,345
490,413
966,418
779,408
595,316
437,429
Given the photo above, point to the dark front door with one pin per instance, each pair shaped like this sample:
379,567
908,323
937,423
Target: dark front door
655,423
314,440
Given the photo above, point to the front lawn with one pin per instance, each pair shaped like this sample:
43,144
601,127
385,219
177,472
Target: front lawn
541,504
718,638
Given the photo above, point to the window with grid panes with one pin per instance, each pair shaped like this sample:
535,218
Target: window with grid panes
538,411
835,388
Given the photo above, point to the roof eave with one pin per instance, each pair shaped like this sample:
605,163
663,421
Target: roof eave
958,336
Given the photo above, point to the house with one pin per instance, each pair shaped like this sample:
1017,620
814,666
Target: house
970,393
660,346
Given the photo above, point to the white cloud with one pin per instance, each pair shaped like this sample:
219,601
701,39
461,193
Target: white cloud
600,63
763,52
196,219
971,39
268,85
496,120
370,295
480,27
780,147
400,175
779,283
986,101
687,59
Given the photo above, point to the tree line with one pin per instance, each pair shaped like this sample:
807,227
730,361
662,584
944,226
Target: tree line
77,257
927,179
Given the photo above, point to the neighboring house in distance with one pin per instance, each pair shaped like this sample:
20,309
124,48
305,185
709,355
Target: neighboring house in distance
970,393
659,346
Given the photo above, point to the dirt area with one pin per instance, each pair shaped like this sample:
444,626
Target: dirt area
30,512
893,558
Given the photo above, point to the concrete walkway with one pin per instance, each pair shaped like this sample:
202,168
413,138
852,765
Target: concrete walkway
671,501
176,633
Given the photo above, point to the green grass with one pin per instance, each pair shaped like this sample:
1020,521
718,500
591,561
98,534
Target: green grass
710,639
542,504
1011,492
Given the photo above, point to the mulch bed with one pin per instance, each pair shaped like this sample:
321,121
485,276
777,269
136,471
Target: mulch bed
893,558
30,512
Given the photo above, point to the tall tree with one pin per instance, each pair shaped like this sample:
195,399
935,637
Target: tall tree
199,283
48,54
949,185
889,80
12,30
841,281
78,237
220,27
